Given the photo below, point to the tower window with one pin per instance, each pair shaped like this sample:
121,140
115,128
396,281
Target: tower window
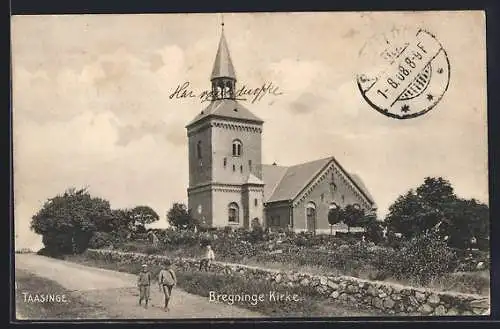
255,202
233,213
237,148
343,198
234,168
250,165
225,162
241,169
322,197
198,149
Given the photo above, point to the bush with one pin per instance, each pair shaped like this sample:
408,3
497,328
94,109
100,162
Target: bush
130,247
100,240
422,259
50,253
257,233
151,250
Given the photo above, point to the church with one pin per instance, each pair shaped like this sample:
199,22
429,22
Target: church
229,185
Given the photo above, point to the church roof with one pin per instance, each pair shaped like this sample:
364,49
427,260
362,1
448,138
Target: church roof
226,108
223,66
285,183
272,175
254,180
361,185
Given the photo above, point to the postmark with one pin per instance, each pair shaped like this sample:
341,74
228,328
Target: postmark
405,73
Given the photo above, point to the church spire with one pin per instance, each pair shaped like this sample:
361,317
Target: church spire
223,77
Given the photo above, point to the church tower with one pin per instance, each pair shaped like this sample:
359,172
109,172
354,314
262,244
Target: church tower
225,153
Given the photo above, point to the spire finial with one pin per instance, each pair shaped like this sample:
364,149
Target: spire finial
222,20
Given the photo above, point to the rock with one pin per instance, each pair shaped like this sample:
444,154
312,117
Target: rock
321,289
362,285
278,278
343,297
352,289
333,285
323,280
382,295
372,291
440,310
275,252
480,266
334,295
406,292
452,311
413,301
335,279
425,309
420,296
377,303
305,282
480,303
479,311
396,290
433,300
388,303
396,296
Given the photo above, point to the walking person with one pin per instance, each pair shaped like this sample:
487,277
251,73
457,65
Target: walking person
209,258
144,284
167,280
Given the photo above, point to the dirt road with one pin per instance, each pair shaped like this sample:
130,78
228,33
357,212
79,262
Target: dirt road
115,292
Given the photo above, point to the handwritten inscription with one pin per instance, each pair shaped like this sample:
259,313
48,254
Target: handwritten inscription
244,93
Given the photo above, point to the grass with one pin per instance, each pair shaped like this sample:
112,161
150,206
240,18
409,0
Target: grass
74,308
201,283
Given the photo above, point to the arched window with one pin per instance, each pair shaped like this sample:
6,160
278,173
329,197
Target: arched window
233,213
237,148
256,202
198,149
234,168
241,168
333,205
250,165
225,162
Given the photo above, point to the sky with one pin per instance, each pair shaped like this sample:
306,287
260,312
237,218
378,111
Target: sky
91,105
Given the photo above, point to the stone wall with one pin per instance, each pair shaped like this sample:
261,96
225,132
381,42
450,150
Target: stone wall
392,299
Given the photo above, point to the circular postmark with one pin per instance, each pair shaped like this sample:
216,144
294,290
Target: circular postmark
405,73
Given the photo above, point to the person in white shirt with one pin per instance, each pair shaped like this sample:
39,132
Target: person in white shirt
209,258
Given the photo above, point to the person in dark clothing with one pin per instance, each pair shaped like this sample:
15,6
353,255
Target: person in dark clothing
144,284
167,280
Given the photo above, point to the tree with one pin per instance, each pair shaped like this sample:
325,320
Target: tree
433,206
142,215
351,215
68,221
373,229
180,217
333,217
